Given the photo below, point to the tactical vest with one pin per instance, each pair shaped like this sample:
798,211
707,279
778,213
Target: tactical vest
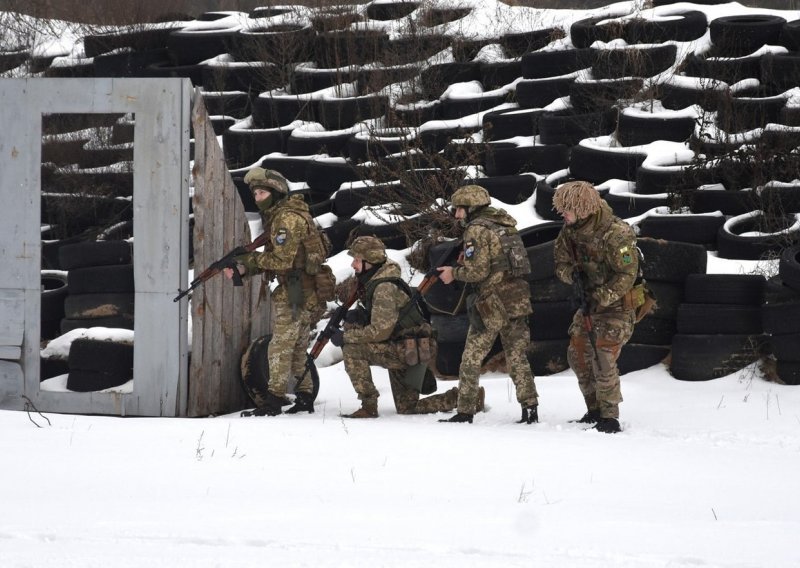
413,315
515,258
314,248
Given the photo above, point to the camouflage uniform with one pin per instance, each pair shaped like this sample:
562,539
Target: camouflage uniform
376,343
288,223
482,268
603,247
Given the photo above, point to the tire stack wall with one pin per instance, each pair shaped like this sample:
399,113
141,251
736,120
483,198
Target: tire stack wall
781,318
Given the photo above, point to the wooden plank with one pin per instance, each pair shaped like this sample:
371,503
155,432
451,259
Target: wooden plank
11,384
10,353
12,317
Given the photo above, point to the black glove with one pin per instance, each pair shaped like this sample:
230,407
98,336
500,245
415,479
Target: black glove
356,316
337,338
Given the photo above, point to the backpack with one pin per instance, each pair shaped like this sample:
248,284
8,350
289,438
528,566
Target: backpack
516,262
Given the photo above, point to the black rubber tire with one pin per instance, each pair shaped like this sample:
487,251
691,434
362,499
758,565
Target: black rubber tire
454,108
745,113
50,367
728,69
677,97
334,144
511,189
540,159
597,164
244,146
508,123
585,32
340,113
628,204
101,356
789,267
448,359
517,44
447,299
89,306
435,79
309,79
551,320
92,381
550,290
101,279
114,322
654,331
728,202
95,253
738,289
705,357
538,93
784,346
450,329
570,127
730,319
733,240
790,35
191,46
735,36
548,356
671,261
250,77
593,96
682,26
788,372
54,292
390,11
669,296
776,291
633,61
346,202
633,130
137,39
554,63
783,317
339,234
686,228
638,356
543,204
254,371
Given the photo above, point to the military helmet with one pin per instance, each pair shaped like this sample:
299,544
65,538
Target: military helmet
470,196
266,179
580,197
370,249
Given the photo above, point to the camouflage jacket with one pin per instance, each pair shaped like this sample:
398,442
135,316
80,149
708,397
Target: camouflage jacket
287,226
387,301
604,248
483,252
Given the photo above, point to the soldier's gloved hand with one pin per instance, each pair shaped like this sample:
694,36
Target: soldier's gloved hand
356,316
338,338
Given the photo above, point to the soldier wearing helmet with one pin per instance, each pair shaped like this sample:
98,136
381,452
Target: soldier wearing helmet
380,332
596,252
499,303
287,220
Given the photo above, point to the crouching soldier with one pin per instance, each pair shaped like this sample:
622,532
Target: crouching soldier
389,330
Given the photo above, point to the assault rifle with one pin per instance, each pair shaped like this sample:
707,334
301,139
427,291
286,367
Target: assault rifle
581,299
227,261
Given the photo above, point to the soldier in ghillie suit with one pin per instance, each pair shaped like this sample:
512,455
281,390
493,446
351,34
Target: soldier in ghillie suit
295,301
389,330
596,253
492,264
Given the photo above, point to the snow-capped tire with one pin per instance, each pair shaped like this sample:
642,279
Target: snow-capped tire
102,356
585,32
728,202
95,253
390,10
136,39
538,93
54,292
789,267
517,44
681,26
729,319
753,236
508,123
254,371
114,322
570,126
553,63
671,261
744,113
511,189
101,279
728,69
597,164
735,36
669,296
243,146
190,46
739,289
592,96
702,357
633,61
691,228
326,176
540,159
340,113
435,79
633,130
103,305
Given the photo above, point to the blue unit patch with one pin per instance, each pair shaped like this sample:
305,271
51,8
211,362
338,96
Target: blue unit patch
469,250
281,236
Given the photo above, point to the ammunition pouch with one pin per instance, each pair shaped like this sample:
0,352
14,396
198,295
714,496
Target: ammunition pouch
486,311
294,288
325,284
641,299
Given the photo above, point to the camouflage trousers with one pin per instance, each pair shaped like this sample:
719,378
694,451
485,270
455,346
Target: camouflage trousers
359,356
287,348
598,376
515,337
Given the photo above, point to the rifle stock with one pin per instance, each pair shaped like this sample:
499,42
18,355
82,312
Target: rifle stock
227,261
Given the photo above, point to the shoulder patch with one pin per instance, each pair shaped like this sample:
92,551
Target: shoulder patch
281,236
470,249
626,255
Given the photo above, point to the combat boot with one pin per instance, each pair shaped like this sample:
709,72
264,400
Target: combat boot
608,426
458,417
481,405
271,407
530,415
369,409
303,402
590,417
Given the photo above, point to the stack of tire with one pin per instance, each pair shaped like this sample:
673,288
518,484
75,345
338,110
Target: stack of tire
781,317
101,288
551,300
665,267
96,364
720,327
